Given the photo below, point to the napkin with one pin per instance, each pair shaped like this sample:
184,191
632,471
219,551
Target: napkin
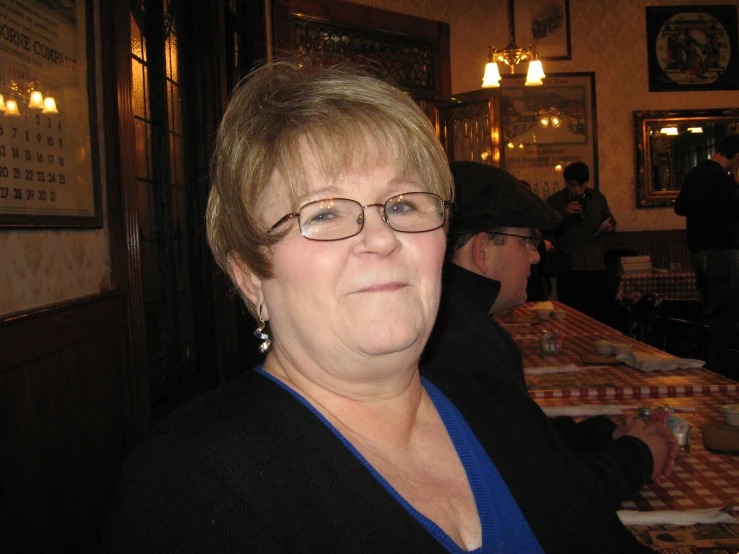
670,517
550,369
652,362
586,410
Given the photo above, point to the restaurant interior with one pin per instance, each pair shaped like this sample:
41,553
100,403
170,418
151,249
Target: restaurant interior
112,311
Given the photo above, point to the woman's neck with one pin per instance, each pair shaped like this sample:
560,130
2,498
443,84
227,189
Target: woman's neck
383,411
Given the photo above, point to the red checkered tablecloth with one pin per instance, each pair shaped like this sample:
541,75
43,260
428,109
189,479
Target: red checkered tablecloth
669,286
702,479
609,381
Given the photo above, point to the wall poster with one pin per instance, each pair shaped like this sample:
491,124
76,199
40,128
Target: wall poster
48,146
545,128
692,48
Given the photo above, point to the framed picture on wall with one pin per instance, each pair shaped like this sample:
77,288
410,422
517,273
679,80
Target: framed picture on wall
692,48
546,128
49,171
543,24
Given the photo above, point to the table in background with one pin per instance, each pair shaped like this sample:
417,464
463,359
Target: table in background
610,381
670,285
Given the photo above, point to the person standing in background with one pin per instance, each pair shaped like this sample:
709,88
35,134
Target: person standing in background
709,198
585,218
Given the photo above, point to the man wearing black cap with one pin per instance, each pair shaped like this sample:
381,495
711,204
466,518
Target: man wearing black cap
492,243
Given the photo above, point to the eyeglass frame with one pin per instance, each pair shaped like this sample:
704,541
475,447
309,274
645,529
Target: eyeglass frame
533,240
445,205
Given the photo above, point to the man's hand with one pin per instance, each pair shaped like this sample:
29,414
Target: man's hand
548,245
661,442
573,208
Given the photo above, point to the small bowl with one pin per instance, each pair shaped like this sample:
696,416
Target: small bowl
604,348
621,348
543,315
731,413
559,314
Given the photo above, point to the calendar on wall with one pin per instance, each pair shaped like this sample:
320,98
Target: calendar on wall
48,170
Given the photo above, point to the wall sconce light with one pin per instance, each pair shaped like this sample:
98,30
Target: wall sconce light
11,108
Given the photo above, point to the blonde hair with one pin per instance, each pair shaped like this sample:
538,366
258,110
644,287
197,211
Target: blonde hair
343,113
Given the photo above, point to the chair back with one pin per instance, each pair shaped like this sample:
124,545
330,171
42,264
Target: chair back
680,337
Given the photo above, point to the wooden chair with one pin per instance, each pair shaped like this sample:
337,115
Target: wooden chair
639,316
680,337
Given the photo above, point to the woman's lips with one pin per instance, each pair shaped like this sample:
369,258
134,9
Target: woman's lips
383,287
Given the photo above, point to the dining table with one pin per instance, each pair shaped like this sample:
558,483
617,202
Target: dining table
703,478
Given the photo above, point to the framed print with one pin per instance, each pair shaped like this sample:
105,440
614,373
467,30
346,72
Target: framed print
544,24
49,172
692,48
546,128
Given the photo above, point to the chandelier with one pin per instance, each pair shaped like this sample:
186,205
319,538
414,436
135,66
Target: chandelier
512,55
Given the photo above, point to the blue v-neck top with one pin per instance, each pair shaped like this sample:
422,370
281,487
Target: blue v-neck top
504,529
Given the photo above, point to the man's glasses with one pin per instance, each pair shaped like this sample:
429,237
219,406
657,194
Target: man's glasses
533,241
341,218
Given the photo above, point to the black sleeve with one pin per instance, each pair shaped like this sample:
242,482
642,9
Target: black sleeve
591,434
622,469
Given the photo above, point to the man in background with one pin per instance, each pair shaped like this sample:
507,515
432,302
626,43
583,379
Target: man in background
493,241
709,198
585,218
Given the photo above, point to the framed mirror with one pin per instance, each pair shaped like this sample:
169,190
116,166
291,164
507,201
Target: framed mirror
671,143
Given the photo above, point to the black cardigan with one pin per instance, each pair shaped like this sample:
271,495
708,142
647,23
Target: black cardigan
248,468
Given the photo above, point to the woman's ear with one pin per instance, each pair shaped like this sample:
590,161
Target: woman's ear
249,283
479,252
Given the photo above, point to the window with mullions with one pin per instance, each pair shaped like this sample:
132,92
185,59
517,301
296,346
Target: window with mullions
163,200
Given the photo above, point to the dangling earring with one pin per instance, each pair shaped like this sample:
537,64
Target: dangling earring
261,335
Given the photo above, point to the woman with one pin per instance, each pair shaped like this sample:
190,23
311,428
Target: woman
328,210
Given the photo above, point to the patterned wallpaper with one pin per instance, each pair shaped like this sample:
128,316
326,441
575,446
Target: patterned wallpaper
608,38
43,267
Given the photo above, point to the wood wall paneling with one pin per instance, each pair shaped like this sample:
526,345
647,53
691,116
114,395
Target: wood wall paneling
62,423
665,247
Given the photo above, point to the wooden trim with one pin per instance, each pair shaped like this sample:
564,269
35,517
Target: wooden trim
28,337
366,17
122,198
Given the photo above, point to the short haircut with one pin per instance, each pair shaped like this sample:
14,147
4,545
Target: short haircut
458,241
578,172
344,114
729,146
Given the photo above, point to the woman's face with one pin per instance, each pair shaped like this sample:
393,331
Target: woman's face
372,294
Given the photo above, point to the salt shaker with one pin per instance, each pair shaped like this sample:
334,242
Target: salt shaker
546,342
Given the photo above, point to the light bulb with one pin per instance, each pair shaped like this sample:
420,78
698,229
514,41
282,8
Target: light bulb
492,75
49,105
37,100
11,109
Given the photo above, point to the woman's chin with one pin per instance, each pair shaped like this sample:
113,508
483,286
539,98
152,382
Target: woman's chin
389,339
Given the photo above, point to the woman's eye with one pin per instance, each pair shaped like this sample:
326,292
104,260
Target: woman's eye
322,217
401,207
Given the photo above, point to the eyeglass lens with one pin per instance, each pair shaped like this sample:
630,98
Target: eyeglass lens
337,218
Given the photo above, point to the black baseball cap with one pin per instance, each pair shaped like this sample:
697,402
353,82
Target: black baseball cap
486,197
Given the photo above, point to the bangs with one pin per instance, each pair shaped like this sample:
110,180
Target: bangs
359,141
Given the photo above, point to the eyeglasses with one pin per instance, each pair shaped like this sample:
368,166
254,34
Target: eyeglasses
533,240
341,218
